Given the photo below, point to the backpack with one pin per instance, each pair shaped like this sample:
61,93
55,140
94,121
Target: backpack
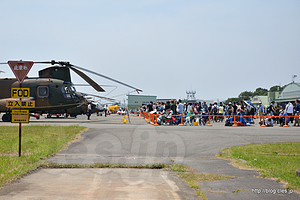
215,109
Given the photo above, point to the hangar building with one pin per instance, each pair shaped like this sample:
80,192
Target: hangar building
136,101
290,93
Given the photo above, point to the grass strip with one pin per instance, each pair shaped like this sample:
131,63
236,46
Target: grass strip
192,178
272,160
38,142
49,165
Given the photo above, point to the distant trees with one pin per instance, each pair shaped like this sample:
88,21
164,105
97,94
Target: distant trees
248,95
260,92
276,88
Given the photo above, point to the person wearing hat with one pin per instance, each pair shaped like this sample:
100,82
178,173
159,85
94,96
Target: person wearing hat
89,110
229,109
260,110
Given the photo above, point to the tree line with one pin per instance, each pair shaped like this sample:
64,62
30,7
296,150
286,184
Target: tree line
248,95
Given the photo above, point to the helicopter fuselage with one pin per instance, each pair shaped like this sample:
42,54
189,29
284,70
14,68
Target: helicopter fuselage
48,94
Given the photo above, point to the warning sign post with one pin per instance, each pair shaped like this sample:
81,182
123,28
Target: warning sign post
20,70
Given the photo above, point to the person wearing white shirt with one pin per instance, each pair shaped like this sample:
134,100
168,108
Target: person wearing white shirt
180,107
289,110
89,110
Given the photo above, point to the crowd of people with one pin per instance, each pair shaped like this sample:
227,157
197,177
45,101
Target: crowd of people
273,114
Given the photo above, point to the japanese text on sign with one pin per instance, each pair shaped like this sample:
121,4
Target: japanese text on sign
23,104
20,116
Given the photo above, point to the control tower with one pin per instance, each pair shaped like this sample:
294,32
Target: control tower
191,96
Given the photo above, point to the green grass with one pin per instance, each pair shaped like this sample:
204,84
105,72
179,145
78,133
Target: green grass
38,142
272,160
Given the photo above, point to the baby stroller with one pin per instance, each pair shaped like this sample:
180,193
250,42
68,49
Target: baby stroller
169,119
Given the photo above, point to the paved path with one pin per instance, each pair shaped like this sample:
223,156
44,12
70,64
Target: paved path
108,140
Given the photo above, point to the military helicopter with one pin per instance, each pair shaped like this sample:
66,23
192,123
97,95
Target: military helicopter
79,110
52,90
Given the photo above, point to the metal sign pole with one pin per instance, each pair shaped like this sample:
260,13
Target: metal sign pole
20,129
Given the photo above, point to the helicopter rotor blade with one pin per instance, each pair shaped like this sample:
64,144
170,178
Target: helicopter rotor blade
103,76
67,64
75,84
88,79
79,73
101,97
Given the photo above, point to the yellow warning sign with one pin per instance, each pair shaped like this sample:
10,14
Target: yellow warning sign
20,93
20,116
23,104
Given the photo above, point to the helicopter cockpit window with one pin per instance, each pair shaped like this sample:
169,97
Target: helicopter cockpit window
72,89
43,91
66,92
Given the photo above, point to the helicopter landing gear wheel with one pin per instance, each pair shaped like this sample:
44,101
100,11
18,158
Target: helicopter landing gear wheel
6,118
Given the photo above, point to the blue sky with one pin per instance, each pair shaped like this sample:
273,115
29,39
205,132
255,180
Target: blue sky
218,48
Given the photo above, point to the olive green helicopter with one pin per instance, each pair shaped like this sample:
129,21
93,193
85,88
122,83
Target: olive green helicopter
53,90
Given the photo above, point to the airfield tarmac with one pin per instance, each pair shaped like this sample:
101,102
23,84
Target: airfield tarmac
110,141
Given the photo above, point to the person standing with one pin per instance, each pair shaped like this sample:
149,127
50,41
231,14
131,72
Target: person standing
234,108
150,107
189,107
277,109
221,112
241,108
260,110
180,107
167,106
89,110
297,113
215,111
173,107
289,110
229,109
272,108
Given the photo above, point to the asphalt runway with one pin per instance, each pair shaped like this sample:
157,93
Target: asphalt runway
110,141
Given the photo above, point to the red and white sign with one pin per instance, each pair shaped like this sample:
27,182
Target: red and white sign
20,68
